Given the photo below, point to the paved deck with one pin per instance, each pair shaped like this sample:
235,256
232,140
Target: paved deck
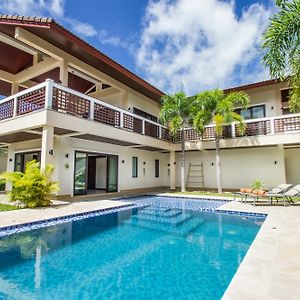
271,267
59,209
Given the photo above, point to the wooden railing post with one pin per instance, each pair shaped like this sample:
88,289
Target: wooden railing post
143,127
92,110
49,93
15,107
233,134
272,126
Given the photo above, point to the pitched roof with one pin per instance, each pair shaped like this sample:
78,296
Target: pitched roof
252,85
50,30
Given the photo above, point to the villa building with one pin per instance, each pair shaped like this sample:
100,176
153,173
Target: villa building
68,104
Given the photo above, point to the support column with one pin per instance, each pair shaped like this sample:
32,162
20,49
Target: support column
14,88
172,170
10,166
47,146
63,73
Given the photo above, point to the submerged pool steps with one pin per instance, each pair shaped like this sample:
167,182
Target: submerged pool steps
170,221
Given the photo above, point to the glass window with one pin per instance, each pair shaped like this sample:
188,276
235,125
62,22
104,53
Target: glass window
134,167
252,112
258,112
156,168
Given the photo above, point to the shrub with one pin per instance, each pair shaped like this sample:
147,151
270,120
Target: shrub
32,188
2,185
257,184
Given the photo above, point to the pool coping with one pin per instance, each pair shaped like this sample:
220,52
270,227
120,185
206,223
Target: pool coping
27,226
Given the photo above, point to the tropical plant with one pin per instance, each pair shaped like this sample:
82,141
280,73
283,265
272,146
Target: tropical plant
33,187
257,184
2,184
175,113
281,48
218,108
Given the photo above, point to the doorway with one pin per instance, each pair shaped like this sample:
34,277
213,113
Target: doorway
22,158
95,172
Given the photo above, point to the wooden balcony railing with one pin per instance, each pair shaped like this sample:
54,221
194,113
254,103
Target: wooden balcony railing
64,100
49,95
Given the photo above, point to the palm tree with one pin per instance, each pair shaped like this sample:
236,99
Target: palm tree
175,113
218,108
281,47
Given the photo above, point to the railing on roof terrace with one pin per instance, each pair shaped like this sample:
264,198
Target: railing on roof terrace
62,99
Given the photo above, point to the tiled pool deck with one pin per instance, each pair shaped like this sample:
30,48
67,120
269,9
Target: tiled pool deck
270,269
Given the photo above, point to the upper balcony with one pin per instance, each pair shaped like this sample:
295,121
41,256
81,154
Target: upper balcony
57,98
54,97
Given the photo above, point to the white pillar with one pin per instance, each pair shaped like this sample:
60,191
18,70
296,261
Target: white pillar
14,88
172,170
10,166
47,146
63,73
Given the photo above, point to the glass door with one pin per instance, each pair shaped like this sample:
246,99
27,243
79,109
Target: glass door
80,174
112,173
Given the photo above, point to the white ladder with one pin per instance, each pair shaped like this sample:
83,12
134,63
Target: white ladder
195,177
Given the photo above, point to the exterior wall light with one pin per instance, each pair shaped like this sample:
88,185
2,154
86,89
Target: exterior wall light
67,156
51,152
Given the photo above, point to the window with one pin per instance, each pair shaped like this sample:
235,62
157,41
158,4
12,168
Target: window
253,112
134,167
144,114
285,101
157,168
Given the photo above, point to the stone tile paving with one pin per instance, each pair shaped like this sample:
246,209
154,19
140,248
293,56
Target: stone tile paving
271,267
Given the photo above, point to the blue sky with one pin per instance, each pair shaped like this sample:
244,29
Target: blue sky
194,44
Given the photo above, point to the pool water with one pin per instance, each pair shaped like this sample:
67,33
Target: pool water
152,252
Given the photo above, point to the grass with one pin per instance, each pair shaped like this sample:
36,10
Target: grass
212,193
206,193
6,207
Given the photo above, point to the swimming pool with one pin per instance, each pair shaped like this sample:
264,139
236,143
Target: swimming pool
160,249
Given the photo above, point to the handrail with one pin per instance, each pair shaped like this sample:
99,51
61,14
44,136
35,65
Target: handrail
98,101
261,126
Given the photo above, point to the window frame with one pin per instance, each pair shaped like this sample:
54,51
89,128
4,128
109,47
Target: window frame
156,168
135,163
239,110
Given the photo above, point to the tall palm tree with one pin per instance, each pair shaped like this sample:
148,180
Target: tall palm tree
218,108
281,47
175,113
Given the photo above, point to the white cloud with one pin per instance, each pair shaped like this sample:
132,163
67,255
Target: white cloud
200,44
33,7
81,28
115,41
46,8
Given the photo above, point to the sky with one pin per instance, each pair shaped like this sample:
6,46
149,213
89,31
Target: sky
189,45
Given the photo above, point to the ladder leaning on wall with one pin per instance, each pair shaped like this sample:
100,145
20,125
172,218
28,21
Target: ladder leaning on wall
195,176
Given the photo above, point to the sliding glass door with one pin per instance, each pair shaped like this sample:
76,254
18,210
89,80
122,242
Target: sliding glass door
80,173
86,173
112,173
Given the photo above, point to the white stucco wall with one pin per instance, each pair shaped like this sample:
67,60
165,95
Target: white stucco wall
145,179
292,161
143,103
3,162
240,167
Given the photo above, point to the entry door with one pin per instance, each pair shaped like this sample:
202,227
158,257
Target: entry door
80,174
112,173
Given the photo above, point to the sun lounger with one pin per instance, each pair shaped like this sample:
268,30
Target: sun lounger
286,196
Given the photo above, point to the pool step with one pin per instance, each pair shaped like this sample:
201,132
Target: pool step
174,221
183,229
160,212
